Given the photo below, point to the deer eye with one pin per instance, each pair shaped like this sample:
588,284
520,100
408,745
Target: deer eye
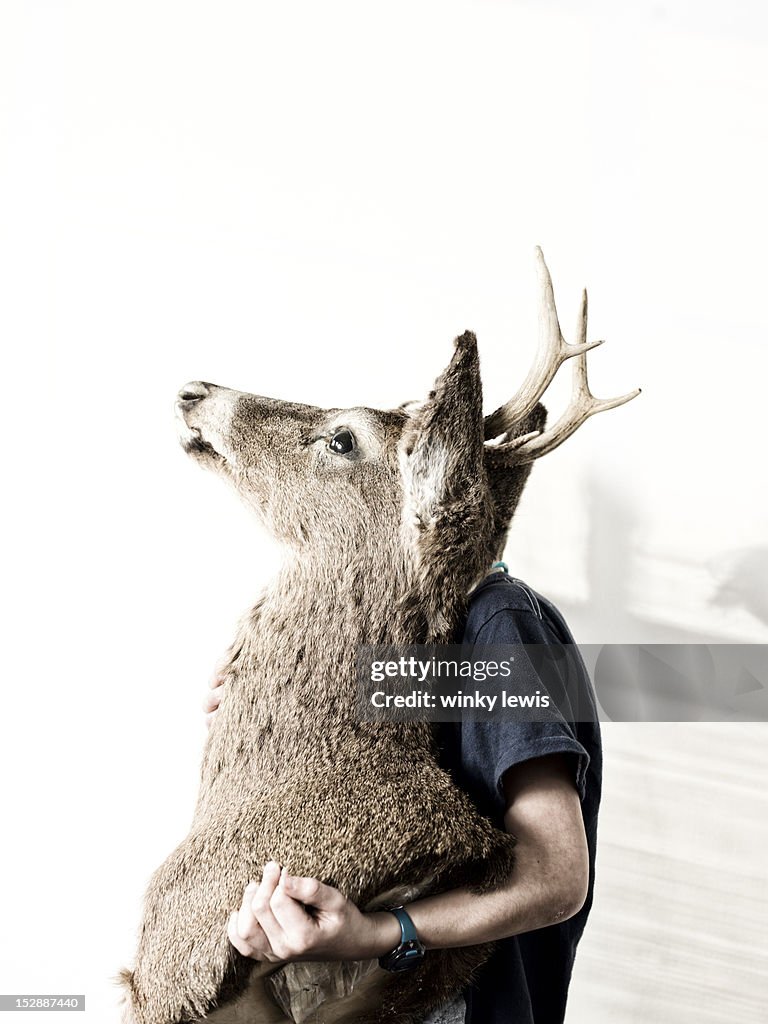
342,443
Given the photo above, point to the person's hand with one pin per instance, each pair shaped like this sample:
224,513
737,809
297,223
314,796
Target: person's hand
213,697
285,917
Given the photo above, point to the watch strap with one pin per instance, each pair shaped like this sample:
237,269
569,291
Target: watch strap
408,931
410,952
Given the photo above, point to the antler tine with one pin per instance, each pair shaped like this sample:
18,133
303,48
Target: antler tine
552,352
582,405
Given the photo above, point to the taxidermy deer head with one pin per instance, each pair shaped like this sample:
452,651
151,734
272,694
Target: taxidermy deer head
431,482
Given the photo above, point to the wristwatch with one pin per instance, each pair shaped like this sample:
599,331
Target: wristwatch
410,953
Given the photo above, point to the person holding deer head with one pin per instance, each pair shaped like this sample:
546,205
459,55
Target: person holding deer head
320,842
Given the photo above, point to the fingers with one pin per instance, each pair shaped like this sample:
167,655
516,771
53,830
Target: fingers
247,925
245,928
213,697
245,932
294,921
212,700
273,922
261,909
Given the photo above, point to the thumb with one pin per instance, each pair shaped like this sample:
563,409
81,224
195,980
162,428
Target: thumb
312,892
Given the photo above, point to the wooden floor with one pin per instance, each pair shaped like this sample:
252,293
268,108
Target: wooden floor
679,929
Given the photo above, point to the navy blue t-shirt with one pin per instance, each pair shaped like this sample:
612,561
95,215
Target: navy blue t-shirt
526,980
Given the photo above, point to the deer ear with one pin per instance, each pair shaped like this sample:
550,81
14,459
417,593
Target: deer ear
447,508
442,445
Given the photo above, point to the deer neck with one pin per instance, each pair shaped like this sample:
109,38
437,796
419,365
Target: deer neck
359,598
293,668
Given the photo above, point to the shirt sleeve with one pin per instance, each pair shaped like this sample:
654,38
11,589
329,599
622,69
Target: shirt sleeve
489,749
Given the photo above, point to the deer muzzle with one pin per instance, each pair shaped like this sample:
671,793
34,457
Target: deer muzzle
203,419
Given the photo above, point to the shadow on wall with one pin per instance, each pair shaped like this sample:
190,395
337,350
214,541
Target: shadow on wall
647,663
623,608
742,580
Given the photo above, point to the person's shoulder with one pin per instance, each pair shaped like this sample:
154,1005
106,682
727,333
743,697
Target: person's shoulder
504,609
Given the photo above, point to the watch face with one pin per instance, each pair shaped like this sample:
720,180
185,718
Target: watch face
404,958
408,961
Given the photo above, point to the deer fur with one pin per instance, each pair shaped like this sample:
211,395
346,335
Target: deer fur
384,545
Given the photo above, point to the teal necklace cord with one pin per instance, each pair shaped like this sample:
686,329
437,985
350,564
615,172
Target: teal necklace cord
500,567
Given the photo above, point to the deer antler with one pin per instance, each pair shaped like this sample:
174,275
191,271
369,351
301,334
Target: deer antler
553,352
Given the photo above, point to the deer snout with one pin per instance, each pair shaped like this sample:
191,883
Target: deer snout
203,417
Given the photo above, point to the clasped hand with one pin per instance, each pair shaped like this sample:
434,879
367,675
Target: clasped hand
285,917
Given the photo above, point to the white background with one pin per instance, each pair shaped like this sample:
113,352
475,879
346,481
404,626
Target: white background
310,201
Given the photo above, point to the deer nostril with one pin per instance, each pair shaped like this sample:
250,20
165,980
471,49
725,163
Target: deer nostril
194,391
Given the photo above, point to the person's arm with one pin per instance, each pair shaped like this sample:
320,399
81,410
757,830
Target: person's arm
548,885
551,875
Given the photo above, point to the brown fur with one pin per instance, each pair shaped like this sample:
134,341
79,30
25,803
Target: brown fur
385,546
